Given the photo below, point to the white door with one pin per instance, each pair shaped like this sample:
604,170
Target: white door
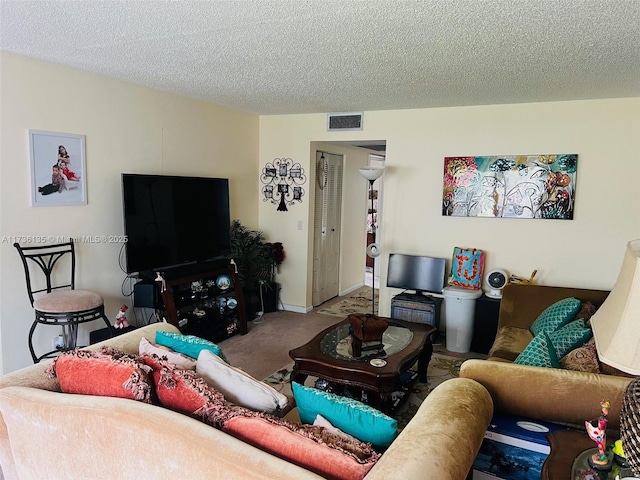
326,235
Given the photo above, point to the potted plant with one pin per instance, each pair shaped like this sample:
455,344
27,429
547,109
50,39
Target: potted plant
269,290
257,262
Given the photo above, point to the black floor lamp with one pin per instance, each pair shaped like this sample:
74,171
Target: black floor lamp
372,174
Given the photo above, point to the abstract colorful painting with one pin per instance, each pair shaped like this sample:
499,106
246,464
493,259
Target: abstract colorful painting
510,186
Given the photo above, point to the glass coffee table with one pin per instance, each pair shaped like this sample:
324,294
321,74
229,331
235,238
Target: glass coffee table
329,356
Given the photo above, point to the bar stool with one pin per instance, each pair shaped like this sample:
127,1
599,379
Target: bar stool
62,305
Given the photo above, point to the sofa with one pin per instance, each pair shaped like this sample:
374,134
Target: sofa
557,395
48,434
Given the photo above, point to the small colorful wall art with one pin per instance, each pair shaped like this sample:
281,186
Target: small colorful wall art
517,186
467,265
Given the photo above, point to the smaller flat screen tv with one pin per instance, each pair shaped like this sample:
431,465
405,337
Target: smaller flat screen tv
413,272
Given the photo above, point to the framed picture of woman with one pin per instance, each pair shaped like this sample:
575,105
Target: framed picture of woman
57,169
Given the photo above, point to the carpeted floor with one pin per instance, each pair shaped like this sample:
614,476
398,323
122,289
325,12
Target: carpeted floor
441,368
266,347
356,302
264,351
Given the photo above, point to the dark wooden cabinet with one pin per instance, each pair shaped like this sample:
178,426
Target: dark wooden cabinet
208,304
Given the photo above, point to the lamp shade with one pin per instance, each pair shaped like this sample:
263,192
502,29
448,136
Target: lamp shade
616,324
371,173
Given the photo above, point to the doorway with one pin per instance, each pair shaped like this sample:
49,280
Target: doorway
326,228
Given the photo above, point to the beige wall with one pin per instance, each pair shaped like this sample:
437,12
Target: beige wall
287,137
134,129
128,129
584,252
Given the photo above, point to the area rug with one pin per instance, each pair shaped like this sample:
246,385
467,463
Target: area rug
358,302
441,368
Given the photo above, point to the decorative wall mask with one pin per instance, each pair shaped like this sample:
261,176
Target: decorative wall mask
516,186
283,180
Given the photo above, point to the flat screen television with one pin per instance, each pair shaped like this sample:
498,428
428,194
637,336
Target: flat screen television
174,220
413,272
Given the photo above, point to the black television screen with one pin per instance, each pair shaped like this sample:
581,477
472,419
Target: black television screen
412,272
172,220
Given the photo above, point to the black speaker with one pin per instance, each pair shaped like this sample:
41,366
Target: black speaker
270,297
145,295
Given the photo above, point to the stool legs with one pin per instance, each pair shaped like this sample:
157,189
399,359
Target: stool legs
69,324
70,336
33,353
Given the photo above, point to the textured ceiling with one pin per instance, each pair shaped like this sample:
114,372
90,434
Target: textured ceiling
304,56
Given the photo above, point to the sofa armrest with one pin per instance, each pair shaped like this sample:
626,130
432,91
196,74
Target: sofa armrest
130,341
443,438
34,375
551,394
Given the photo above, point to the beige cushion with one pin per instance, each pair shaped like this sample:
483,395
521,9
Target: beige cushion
64,301
178,359
320,421
238,386
510,342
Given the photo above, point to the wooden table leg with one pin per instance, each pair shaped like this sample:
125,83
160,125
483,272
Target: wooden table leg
423,360
297,377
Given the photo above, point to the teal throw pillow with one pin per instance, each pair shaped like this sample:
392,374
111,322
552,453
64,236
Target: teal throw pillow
355,418
189,345
572,335
556,316
539,353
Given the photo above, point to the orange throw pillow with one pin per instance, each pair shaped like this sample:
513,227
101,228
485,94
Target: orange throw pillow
109,372
185,392
310,447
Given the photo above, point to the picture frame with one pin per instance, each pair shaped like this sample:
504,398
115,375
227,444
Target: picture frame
58,169
510,186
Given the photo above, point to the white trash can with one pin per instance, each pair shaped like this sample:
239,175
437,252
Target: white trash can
460,307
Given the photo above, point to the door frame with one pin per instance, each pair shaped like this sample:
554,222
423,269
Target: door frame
354,205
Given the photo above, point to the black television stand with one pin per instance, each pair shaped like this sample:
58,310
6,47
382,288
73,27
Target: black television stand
189,269
416,294
416,307
204,299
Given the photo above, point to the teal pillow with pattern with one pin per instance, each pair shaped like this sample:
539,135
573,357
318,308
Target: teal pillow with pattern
189,345
556,316
355,418
572,335
539,353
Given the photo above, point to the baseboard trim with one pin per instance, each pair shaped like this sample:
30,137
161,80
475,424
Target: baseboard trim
351,289
294,308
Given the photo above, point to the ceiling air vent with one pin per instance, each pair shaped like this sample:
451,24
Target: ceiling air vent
344,121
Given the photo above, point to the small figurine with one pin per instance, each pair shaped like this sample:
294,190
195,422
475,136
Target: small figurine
121,317
529,281
618,454
597,433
